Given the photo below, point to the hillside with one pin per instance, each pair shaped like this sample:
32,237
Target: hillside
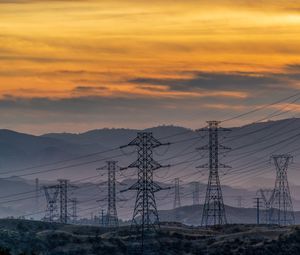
28,237
191,215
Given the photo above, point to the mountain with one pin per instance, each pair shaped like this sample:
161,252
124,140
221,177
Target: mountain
77,157
191,215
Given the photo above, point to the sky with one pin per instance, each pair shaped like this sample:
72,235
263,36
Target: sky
79,65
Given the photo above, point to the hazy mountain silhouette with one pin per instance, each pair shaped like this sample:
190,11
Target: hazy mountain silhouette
251,146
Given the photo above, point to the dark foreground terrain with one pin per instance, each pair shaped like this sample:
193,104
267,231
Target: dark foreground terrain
30,237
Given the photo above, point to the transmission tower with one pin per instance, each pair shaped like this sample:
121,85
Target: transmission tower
213,209
239,201
282,207
267,196
51,193
145,216
37,194
196,193
111,220
74,203
63,200
257,205
177,202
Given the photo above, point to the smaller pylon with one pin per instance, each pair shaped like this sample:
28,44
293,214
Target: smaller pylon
282,212
257,204
111,220
74,203
51,193
267,195
177,201
239,201
196,193
63,199
37,194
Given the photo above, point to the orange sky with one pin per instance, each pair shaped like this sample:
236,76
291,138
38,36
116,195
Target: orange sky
62,50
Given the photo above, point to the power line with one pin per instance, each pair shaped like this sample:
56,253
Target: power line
260,108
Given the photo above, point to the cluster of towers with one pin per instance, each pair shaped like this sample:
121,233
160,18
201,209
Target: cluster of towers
277,203
278,208
61,207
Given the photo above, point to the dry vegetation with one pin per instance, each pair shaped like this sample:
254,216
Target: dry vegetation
20,237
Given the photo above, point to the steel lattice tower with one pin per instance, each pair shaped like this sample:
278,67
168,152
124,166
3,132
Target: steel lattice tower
177,201
74,203
63,200
282,207
51,193
111,220
196,193
213,209
267,197
239,201
37,193
145,216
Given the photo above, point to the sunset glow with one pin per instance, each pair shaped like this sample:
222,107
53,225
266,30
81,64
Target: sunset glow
61,50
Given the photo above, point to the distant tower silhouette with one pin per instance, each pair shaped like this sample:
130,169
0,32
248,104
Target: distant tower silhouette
239,201
63,199
177,202
257,205
111,216
267,195
282,212
51,193
196,193
213,209
74,203
37,194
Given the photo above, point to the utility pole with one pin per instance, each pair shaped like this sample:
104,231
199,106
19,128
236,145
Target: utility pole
51,194
196,193
257,205
282,212
112,220
145,216
213,209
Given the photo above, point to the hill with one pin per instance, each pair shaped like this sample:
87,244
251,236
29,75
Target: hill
29,237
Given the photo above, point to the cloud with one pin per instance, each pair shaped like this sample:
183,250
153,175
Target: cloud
217,81
294,68
89,89
37,59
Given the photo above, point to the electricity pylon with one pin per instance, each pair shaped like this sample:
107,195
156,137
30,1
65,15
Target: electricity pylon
145,216
51,193
111,220
213,209
196,193
282,207
74,203
239,201
63,200
257,205
37,194
177,201
267,195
